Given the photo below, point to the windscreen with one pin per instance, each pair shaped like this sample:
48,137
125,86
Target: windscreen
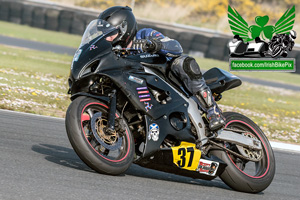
96,28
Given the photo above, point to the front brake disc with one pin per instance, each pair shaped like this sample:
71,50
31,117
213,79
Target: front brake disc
98,116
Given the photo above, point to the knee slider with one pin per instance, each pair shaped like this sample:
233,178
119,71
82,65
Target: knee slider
191,68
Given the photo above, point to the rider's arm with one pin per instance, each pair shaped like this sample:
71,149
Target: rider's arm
167,46
291,45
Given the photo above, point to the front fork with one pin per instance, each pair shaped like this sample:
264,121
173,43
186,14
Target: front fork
112,112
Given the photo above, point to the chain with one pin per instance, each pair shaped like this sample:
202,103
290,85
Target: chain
234,153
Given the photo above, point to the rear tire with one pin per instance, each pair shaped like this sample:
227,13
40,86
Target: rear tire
91,152
247,176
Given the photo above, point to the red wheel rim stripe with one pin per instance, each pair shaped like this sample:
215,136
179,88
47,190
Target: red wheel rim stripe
127,135
85,117
260,140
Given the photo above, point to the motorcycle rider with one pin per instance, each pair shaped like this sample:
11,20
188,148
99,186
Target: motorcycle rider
152,41
286,40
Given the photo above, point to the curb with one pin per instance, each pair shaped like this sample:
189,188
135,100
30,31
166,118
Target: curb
285,147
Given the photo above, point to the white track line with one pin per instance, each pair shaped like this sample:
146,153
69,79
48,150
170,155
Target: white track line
286,147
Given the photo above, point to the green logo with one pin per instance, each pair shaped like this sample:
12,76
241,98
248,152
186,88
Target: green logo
265,64
240,27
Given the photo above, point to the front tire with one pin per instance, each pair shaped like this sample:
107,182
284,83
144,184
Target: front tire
276,51
242,175
98,157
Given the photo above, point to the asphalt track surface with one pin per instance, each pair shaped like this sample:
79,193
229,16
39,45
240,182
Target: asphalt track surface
39,46
37,162
70,51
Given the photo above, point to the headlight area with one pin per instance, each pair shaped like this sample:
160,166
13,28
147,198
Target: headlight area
84,84
89,68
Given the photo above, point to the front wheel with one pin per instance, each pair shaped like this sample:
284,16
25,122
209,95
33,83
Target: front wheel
276,51
86,121
243,175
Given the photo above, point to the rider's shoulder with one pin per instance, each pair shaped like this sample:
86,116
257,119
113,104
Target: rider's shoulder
145,33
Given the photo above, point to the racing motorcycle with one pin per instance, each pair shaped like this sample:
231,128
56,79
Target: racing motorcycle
279,46
129,108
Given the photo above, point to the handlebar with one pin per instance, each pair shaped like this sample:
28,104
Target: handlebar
119,48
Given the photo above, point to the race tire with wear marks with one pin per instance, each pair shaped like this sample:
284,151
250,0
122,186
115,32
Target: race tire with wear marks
82,146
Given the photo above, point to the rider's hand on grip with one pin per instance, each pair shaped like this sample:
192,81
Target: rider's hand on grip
139,45
145,45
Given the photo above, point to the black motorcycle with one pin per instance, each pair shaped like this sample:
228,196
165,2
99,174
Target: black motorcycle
130,108
279,45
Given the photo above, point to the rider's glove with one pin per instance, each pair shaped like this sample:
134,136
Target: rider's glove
139,44
144,45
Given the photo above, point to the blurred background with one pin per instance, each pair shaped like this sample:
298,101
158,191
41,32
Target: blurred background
38,39
200,13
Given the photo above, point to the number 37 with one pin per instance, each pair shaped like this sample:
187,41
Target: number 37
184,158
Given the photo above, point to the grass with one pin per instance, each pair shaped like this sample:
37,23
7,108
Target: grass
33,81
41,35
52,37
276,111
36,82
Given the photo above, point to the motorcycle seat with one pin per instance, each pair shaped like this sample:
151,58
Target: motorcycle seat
219,80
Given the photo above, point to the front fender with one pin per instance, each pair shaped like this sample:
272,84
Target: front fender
103,98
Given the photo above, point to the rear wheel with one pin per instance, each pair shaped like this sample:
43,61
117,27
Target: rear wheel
240,174
86,121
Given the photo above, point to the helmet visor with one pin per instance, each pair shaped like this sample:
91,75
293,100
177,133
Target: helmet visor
96,28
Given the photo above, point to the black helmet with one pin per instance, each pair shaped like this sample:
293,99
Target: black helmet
122,18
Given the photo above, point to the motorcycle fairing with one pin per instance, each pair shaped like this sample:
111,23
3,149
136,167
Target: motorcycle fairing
153,82
92,46
86,61
119,70
81,77
119,73
206,168
97,60
153,59
165,129
159,113
156,62
186,156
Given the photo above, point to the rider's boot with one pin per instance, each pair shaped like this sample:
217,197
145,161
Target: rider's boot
213,113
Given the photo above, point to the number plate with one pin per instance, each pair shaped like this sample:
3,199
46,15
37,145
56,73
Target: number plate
186,156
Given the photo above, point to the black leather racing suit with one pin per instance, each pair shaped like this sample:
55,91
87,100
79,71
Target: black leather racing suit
186,69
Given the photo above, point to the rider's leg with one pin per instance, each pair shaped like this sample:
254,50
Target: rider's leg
187,69
214,114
